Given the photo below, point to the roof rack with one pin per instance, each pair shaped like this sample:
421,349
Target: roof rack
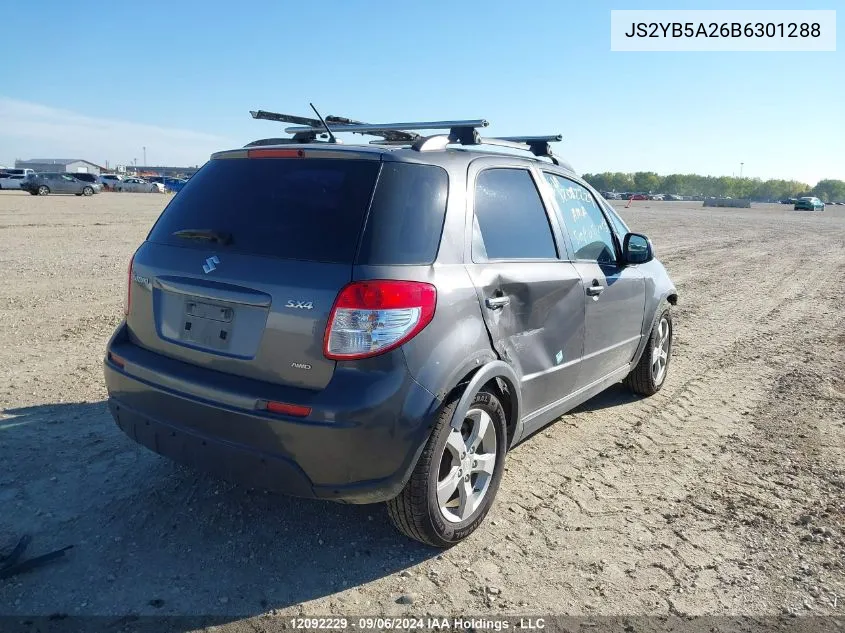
461,132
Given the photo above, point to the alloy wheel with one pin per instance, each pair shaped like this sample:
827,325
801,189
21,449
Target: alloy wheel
660,353
466,466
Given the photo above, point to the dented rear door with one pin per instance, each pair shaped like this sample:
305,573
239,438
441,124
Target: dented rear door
531,297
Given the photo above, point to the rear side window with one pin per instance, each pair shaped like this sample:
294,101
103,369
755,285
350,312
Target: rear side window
305,209
406,217
510,219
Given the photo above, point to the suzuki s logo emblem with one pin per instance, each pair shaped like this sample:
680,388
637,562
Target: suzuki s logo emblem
210,264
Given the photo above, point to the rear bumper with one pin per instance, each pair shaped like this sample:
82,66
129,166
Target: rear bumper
359,446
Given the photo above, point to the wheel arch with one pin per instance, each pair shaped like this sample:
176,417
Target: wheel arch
668,297
502,379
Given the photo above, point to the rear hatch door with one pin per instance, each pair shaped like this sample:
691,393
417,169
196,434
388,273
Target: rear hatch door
241,270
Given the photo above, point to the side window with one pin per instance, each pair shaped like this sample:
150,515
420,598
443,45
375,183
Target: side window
510,219
581,215
68,178
406,216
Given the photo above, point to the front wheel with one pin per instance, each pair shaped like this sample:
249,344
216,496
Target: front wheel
456,478
43,190
650,373
87,191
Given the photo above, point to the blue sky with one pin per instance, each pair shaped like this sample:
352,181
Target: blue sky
101,81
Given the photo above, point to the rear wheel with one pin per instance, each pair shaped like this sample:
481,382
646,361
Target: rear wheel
43,190
87,191
650,373
456,478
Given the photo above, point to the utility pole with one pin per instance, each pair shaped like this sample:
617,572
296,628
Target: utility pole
740,169
145,155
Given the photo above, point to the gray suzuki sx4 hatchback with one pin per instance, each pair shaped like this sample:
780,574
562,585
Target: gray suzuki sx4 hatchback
382,323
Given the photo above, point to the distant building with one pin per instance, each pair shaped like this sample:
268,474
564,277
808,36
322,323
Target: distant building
67,165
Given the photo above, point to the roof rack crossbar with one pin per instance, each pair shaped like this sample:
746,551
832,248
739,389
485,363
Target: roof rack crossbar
550,138
368,128
537,145
287,118
461,132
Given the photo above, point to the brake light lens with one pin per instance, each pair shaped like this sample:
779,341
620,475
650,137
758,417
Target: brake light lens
275,153
373,317
283,408
128,299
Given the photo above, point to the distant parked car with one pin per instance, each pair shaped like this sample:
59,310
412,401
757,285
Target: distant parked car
47,183
11,181
110,181
11,178
138,185
809,203
94,180
638,196
673,197
656,196
170,184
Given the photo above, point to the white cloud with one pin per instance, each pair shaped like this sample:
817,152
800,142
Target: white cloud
32,130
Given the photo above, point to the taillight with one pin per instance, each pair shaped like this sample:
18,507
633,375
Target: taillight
372,317
128,299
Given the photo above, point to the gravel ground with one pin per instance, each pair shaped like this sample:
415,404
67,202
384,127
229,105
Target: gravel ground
723,494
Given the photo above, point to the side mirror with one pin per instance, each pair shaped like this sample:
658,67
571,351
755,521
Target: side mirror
637,249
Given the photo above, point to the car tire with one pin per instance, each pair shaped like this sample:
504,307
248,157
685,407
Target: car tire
648,377
87,191
442,520
43,190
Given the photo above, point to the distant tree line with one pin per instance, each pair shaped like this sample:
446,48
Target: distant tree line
719,186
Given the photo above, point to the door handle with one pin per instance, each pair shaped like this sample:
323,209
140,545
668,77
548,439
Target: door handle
595,290
496,303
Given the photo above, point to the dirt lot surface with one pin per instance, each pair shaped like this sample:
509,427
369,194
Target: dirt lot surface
723,494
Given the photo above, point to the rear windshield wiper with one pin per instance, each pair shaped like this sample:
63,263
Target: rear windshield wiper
204,234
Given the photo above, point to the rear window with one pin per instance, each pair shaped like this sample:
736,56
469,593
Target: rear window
406,217
307,209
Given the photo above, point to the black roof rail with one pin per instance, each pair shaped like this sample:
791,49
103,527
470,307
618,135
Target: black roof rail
461,132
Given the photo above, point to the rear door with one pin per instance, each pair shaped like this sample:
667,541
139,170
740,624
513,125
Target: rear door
531,298
240,272
615,294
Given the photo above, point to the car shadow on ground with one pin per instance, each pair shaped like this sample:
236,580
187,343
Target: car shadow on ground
614,396
154,538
